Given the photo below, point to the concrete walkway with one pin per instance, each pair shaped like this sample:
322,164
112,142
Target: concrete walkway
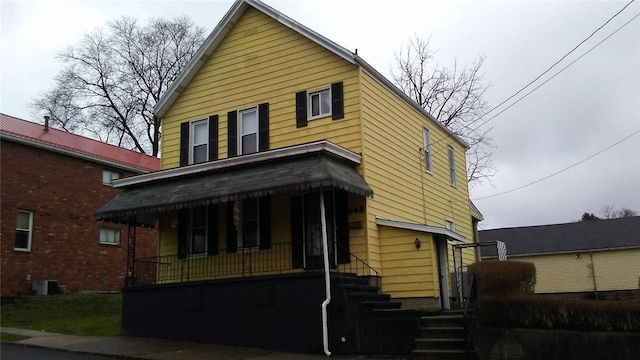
145,348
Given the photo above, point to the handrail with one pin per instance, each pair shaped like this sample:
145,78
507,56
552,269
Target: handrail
468,318
241,263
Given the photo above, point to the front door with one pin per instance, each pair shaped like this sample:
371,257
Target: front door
313,230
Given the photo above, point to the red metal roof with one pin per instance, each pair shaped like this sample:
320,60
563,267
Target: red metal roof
32,132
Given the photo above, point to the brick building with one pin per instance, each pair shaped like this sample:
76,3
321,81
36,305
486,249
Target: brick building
51,184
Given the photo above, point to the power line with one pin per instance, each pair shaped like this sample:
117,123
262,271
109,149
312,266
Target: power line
560,171
554,64
546,71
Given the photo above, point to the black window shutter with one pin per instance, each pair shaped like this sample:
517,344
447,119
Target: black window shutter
342,226
297,242
337,101
232,136
212,229
213,137
184,143
232,232
183,233
263,127
301,109
265,222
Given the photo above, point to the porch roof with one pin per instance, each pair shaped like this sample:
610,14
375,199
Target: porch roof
297,173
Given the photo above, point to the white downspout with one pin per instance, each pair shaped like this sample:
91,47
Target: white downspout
327,278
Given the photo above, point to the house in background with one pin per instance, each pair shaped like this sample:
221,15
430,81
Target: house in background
585,256
284,156
51,184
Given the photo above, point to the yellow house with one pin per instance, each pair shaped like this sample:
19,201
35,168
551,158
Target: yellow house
303,197
590,257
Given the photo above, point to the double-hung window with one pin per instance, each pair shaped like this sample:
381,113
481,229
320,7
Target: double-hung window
198,231
248,127
426,140
319,103
24,230
248,234
199,141
449,225
452,165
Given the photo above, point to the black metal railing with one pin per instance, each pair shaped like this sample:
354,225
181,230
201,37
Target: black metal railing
469,315
241,263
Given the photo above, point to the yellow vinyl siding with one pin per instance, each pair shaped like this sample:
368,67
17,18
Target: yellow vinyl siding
407,271
260,61
571,272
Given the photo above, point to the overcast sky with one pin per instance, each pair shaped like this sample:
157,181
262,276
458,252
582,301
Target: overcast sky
586,108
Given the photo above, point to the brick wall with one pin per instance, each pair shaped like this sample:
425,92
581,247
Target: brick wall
63,192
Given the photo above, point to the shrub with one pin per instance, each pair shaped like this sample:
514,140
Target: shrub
503,277
543,312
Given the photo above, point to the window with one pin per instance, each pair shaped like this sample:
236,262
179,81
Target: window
199,142
109,236
248,131
452,165
24,230
198,231
319,103
449,225
248,235
426,139
108,176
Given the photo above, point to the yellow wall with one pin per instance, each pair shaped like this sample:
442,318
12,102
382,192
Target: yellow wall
394,167
614,270
260,61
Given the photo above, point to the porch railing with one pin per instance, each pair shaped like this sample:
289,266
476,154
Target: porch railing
241,263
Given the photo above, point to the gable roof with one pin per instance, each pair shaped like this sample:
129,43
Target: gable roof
591,235
232,16
33,134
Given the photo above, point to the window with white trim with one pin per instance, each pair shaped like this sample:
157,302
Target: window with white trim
319,103
199,149
108,176
452,165
198,231
24,230
248,130
248,231
109,236
449,225
426,143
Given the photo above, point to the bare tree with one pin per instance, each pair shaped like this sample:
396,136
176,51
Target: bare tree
453,96
115,75
609,212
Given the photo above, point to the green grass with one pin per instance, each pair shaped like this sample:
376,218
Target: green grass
11,337
74,314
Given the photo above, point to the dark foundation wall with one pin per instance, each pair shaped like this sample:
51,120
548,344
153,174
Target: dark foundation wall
280,312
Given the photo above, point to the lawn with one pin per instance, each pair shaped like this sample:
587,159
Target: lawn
73,314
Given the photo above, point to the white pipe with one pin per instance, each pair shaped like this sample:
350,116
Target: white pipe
327,278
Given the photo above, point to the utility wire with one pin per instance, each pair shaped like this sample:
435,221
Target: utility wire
556,63
546,71
560,171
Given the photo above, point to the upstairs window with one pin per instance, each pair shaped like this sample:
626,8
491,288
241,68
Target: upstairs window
199,141
452,165
449,225
426,140
109,176
24,231
319,104
199,149
248,131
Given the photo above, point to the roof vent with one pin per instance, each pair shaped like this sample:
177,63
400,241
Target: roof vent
46,123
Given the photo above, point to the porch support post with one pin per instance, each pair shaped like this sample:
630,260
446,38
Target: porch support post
327,277
131,252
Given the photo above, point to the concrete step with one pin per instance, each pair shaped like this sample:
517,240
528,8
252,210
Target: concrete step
442,355
442,321
456,332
